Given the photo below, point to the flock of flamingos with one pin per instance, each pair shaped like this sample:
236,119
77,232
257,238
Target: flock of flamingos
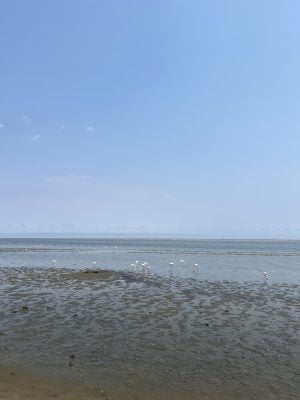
144,268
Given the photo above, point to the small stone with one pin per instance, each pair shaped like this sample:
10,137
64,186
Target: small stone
24,308
72,356
206,324
71,364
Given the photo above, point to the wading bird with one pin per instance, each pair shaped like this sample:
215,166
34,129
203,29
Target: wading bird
196,268
133,267
266,277
171,269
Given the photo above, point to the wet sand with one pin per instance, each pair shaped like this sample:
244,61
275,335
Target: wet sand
15,384
117,335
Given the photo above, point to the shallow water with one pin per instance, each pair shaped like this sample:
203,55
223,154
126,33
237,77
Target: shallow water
236,260
154,337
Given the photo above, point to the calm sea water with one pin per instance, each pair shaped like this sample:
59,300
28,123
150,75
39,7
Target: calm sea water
218,260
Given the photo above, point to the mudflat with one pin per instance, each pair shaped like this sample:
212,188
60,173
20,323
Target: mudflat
103,334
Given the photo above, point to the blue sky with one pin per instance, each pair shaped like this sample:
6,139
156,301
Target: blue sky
174,117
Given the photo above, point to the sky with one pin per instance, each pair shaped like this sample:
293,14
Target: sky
150,117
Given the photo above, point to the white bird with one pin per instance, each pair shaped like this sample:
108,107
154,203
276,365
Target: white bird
134,267
94,263
171,269
54,263
145,268
182,261
195,269
266,277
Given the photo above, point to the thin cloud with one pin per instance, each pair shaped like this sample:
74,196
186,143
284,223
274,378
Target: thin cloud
90,129
26,119
70,179
35,138
61,127
1,126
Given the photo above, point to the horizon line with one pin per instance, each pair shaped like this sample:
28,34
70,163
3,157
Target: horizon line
91,235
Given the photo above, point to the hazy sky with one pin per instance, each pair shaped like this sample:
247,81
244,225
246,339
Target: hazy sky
174,116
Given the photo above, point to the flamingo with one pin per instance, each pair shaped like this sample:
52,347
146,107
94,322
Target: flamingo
266,277
171,269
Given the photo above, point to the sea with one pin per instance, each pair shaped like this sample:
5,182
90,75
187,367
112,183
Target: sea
211,260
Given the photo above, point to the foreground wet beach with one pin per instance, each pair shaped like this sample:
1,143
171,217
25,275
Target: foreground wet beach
118,335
